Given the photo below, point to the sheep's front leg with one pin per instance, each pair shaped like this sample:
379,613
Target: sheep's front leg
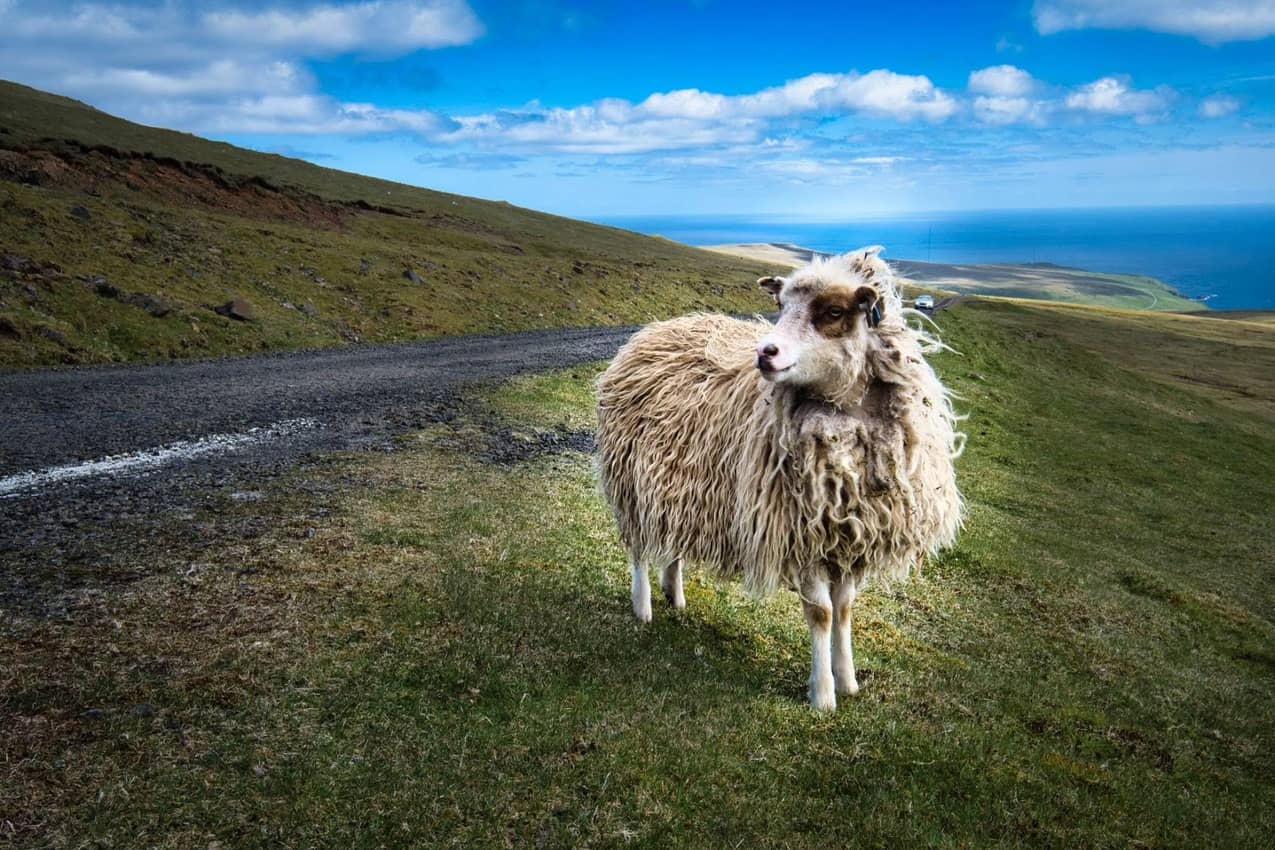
816,605
671,584
641,592
843,593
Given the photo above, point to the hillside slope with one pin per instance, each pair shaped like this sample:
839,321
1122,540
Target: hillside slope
119,242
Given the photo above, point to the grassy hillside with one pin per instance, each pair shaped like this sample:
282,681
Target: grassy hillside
433,648
119,242
1263,317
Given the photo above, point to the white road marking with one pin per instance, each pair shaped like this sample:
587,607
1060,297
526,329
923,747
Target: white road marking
149,459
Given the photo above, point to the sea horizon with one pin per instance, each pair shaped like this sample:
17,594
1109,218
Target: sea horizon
1222,255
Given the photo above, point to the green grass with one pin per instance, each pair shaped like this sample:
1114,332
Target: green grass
451,661
197,223
561,399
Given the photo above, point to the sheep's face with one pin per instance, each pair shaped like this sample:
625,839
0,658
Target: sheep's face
827,313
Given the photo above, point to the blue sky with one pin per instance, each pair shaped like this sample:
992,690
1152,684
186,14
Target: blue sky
607,109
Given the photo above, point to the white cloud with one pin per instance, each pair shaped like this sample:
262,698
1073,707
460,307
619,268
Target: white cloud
1218,106
606,127
805,170
685,103
1113,96
1002,81
1210,21
794,96
292,114
1007,110
381,26
102,24
688,118
225,71
896,95
222,77
880,92
1007,95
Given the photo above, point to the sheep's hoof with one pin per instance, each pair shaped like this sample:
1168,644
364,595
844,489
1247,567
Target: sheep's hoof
823,695
847,688
642,611
676,600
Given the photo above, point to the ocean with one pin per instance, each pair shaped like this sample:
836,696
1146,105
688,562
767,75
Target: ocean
1225,255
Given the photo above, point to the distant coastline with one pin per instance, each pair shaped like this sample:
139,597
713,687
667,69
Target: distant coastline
1222,255
779,253
1039,280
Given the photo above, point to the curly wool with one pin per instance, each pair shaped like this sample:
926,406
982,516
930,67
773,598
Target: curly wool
700,458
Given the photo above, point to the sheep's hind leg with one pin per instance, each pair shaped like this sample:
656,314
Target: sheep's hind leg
641,592
843,593
816,605
671,584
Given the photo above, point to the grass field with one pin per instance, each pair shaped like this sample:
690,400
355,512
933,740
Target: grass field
424,648
177,226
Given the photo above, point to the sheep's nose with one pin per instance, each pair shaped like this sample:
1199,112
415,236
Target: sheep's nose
768,350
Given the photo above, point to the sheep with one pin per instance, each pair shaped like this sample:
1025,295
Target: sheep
815,454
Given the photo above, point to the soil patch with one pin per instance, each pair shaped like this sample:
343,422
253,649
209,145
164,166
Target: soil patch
96,168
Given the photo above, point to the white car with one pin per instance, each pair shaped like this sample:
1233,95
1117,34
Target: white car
924,302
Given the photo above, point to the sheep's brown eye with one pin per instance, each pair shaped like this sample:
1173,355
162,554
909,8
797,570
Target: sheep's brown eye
834,313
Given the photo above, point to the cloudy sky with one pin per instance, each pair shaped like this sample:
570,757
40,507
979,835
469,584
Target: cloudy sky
701,106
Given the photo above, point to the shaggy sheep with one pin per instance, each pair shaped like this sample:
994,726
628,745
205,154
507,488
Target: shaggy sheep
816,453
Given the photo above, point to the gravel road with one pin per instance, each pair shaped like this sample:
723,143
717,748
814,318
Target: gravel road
333,399
63,415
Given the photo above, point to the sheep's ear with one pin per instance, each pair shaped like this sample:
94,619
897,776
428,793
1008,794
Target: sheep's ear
771,284
861,260
867,300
